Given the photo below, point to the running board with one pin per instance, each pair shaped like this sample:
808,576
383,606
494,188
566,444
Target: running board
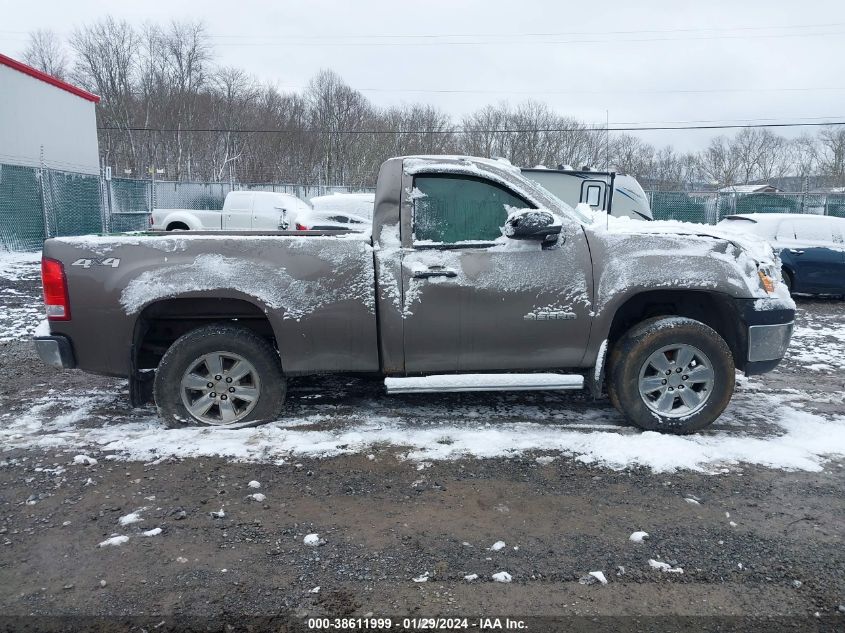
440,383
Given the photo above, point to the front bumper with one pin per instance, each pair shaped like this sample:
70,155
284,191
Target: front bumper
56,351
768,331
768,342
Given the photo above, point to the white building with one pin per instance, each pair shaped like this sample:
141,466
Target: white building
40,114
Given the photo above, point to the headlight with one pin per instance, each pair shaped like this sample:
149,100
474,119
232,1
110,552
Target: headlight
768,279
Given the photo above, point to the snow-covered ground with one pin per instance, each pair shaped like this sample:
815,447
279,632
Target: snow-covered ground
19,266
817,343
20,308
773,423
761,428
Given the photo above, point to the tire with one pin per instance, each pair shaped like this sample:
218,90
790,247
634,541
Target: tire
694,400
236,401
787,279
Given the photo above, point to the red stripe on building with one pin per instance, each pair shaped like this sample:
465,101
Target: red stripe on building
58,83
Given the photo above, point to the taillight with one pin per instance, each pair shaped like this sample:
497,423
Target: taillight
301,227
56,298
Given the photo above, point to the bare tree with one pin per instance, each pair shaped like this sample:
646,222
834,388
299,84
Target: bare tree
804,155
338,117
46,52
106,63
718,164
832,153
161,80
187,52
759,154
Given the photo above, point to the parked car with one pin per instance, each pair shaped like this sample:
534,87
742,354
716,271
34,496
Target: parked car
620,195
338,211
475,279
242,210
811,247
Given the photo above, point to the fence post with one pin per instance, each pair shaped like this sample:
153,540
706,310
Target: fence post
44,213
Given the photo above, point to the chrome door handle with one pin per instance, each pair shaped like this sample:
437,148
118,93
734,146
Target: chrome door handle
795,251
435,271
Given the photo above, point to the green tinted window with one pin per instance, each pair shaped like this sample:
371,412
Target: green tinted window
451,209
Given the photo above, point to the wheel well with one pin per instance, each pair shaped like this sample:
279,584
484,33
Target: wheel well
713,309
174,226
161,323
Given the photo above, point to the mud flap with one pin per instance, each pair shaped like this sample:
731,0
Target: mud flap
595,377
140,382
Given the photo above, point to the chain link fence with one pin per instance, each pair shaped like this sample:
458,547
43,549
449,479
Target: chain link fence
709,207
39,203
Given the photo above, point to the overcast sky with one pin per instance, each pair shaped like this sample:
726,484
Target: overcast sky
644,62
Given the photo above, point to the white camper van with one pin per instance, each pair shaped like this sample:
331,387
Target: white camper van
618,194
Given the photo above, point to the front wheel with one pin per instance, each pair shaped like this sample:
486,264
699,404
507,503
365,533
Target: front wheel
671,374
219,376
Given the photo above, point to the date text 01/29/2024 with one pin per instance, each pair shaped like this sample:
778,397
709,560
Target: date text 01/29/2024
415,624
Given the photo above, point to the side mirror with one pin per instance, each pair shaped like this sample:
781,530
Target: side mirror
532,224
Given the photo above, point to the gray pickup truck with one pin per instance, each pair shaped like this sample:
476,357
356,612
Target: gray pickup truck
473,278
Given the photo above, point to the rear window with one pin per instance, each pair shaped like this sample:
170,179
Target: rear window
764,229
240,202
813,230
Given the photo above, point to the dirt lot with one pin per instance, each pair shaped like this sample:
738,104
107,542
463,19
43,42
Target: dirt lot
410,495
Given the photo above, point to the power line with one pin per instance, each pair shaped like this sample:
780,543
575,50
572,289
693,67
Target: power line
515,41
488,40
509,36
470,130
589,92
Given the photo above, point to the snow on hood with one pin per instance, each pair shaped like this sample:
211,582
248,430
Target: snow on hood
726,255
756,247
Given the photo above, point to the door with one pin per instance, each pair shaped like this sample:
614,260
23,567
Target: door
270,212
476,301
237,211
593,193
815,256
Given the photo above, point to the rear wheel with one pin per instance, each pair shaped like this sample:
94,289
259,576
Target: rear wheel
671,374
219,376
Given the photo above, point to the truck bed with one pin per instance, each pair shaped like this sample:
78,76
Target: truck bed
317,291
